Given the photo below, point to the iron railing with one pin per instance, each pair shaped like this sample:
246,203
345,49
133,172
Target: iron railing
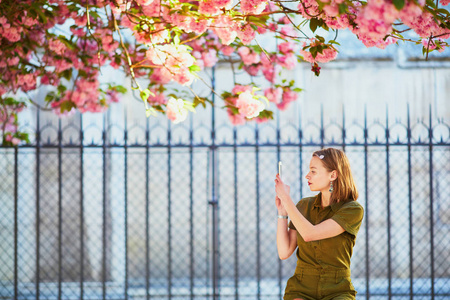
187,211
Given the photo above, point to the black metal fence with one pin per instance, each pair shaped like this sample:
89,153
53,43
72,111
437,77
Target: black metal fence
155,211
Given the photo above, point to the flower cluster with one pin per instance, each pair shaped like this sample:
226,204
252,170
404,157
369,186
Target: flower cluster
9,110
173,41
175,62
244,104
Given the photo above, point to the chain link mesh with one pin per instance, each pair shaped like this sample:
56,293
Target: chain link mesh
126,221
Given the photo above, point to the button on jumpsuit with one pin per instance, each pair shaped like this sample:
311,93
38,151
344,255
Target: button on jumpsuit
323,266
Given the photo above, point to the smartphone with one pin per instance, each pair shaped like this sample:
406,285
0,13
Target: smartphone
280,164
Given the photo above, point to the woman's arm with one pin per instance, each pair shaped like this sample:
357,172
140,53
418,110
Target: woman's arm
286,238
309,232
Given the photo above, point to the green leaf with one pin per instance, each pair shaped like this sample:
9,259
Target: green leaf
343,8
150,112
24,137
61,89
320,49
266,114
313,52
320,38
431,3
442,11
69,44
313,24
145,94
120,89
226,95
297,90
42,16
234,110
202,101
399,4
194,68
176,39
50,97
67,74
67,106
10,101
334,42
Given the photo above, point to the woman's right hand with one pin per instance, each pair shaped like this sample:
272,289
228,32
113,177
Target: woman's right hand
281,210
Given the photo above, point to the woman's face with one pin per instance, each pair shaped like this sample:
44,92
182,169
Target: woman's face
318,177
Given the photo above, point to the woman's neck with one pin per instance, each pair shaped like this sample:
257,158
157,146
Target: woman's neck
326,198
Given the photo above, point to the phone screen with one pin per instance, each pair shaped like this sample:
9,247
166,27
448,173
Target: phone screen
279,168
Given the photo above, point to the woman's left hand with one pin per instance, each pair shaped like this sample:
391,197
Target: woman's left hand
282,190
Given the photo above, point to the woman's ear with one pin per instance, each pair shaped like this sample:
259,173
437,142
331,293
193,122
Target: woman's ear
333,175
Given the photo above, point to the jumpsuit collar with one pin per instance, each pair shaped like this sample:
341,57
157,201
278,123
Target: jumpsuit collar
335,206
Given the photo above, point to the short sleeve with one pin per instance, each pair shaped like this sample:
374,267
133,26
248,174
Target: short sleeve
291,225
349,216
301,206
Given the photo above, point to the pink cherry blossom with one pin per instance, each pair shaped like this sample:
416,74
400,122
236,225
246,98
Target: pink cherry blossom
227,50
261,30
289,31
184,77
161,76
288,61
12,61
208,7
144,2
199,26
260,120
235,119
248,56
225,28
253,6
175,111
328,54
27,82
308,8
332,9
246,34
375,21
288,97
253,70
270,71
57,46
210,58
248,106
156,97
273,94
241,88
12,34
286,47
431,44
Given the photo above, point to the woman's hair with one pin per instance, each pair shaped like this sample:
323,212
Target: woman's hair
344,187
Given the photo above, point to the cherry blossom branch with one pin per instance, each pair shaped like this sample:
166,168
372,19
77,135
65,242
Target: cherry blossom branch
37,104
293,24
428,46
133,76
90,32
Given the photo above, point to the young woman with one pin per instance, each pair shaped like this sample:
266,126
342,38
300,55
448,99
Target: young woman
323,228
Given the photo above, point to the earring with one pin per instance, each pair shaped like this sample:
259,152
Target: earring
331,187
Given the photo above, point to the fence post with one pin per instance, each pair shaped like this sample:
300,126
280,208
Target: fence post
214,202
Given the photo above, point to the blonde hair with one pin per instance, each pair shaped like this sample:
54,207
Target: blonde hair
344,187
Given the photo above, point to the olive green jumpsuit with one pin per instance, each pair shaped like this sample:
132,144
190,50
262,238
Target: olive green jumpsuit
323,266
